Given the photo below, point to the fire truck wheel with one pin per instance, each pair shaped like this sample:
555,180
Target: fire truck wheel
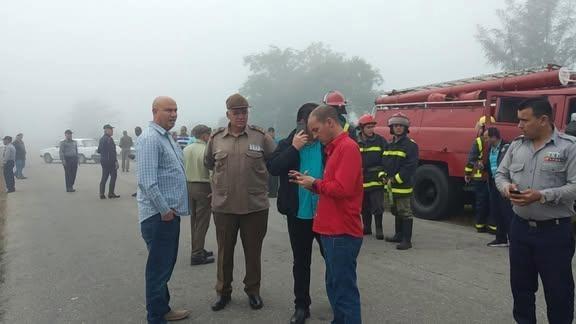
431,198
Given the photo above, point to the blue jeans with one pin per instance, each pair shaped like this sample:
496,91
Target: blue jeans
340,253
162,243
20,164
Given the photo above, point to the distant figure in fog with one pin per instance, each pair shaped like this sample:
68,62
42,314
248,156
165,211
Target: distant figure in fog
108,161
125,146
8,158
69,158
20,156
183,139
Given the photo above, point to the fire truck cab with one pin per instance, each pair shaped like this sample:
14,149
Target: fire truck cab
443,118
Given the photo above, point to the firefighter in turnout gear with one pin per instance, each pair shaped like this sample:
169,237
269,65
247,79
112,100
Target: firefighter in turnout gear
371,148
400,160
337,100
476,175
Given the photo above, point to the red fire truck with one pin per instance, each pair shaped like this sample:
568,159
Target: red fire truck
443,117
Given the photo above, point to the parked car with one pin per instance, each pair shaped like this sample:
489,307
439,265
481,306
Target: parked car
86,151
96,156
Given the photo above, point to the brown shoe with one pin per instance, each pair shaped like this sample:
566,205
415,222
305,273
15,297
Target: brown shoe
176,315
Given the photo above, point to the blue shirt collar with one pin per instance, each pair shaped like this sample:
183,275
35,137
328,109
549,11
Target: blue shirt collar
158,128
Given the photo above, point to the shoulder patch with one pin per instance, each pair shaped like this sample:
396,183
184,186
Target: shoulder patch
217,131
258,129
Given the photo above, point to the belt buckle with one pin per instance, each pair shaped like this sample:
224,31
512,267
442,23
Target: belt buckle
532,223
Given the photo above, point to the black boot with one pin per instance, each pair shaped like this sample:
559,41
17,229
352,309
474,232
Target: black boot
300,316
378,223
397,238
367,220
406,235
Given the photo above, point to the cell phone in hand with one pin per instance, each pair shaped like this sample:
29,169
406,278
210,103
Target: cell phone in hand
515,191
300,126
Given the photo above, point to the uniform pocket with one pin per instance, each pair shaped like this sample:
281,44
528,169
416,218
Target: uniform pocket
258,183
516,172
219,179
553,175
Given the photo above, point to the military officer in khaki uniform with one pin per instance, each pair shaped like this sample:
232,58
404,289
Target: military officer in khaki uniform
237,156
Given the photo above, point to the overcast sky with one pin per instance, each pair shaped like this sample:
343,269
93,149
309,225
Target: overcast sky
124,53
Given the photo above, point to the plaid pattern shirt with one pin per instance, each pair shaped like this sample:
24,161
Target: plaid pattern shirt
161,176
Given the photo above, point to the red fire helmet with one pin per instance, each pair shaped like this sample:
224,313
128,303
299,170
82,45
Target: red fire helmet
365,120
335,98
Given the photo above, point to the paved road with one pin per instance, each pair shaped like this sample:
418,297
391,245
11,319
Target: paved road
72,258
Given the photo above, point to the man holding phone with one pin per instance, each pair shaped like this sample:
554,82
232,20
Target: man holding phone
538,175
337,220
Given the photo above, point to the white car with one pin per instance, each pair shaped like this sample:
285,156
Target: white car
86,151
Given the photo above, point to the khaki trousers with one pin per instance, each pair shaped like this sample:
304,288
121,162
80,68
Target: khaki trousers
252,229
200,211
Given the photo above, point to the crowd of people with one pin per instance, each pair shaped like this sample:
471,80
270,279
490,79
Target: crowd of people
334,180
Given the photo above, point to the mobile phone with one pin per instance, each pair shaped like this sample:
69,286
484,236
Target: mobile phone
300,126
515,191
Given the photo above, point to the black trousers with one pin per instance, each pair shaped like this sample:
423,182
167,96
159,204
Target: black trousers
501,212
9,176
108,170
301,239
548,252
481,204
372,204
70,169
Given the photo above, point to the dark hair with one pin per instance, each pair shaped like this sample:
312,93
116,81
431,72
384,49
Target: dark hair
540,106
271,129
493,132
325,112
305,111
200,130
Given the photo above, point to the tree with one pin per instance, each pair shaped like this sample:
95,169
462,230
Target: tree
89,116
533,33
281,80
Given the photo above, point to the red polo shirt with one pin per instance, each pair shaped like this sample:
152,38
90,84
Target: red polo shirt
340,190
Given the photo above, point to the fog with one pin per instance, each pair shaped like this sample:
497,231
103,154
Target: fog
121,54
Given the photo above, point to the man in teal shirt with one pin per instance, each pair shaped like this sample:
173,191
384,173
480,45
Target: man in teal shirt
298,152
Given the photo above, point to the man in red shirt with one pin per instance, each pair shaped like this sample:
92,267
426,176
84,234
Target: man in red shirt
337,219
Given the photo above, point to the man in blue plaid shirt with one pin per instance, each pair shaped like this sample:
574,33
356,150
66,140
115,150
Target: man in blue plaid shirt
162,199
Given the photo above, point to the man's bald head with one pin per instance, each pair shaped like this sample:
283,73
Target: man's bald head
162,101
165,112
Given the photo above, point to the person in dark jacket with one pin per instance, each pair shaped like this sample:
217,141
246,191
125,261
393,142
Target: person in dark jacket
298,152
372,146
108,161
500,207
571,127
400,160
20,156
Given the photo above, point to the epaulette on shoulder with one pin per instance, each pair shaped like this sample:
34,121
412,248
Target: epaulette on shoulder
519,138
567,137
217,131
258,129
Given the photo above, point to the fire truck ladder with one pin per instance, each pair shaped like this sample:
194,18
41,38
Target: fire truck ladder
486,77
